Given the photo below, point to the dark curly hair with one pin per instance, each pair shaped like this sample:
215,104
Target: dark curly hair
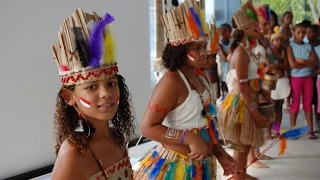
236,36
66,120
174,56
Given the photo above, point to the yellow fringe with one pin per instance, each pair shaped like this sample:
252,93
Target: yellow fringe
203,21
109,47
180,170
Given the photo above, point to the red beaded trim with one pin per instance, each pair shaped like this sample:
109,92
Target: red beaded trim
93,75
188,40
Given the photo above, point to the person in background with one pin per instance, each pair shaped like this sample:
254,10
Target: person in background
312,35
302,60
222,54
271,24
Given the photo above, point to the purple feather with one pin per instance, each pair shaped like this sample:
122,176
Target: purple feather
197,20
276,127
96,40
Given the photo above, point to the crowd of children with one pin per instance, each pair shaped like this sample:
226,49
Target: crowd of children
291,51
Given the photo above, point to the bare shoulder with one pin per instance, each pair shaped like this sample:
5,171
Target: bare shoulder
240,55
169,82
69,162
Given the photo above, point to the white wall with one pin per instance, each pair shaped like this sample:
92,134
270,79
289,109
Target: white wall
29,81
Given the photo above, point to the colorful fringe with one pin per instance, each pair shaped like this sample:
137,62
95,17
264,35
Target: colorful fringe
173,166
237,123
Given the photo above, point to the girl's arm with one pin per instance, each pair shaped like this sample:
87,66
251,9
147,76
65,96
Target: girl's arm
292,61
163,100
313,60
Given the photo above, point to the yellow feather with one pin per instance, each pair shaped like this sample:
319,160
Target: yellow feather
203,21
147,158
109,47
180,170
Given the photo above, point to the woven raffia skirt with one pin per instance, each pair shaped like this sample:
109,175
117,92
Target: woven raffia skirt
237,123
161,163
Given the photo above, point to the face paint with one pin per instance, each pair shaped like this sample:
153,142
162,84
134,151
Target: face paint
85,102
191,57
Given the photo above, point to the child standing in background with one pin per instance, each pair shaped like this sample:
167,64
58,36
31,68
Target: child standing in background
302,60
312,35
222,54
212,72
286,27
279,65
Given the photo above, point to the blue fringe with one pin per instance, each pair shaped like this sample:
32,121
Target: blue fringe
206,170
196,18
194,171
212,109
157,168
295,133
268,13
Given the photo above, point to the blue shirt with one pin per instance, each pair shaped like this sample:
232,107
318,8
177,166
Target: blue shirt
301,51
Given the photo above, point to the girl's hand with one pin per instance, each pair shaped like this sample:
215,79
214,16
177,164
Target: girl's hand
270,68
228,164
198,147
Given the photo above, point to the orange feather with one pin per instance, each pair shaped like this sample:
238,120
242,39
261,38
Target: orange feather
193,26
283,146
215,41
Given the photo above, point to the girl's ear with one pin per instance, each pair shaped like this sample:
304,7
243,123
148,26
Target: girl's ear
67,96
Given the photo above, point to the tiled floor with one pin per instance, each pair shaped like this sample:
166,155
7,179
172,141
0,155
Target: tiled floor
300,162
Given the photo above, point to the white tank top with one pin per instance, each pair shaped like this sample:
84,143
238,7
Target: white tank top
232,81
188,115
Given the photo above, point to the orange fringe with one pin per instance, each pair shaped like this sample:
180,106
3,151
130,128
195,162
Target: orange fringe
215,41
193,26
198,172
283,146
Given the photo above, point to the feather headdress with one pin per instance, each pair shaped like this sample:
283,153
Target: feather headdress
246,15
185,24
85,51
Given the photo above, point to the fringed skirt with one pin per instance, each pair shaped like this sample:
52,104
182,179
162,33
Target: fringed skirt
237,123
163,164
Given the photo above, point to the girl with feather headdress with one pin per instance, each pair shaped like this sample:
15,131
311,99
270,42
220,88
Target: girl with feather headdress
93,116
181,113
241,122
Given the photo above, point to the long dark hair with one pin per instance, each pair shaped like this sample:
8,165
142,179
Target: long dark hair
236,36
66,120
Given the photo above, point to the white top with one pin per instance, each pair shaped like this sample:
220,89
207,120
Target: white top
189,114
232,81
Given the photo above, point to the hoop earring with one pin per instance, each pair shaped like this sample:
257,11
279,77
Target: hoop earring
84,126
